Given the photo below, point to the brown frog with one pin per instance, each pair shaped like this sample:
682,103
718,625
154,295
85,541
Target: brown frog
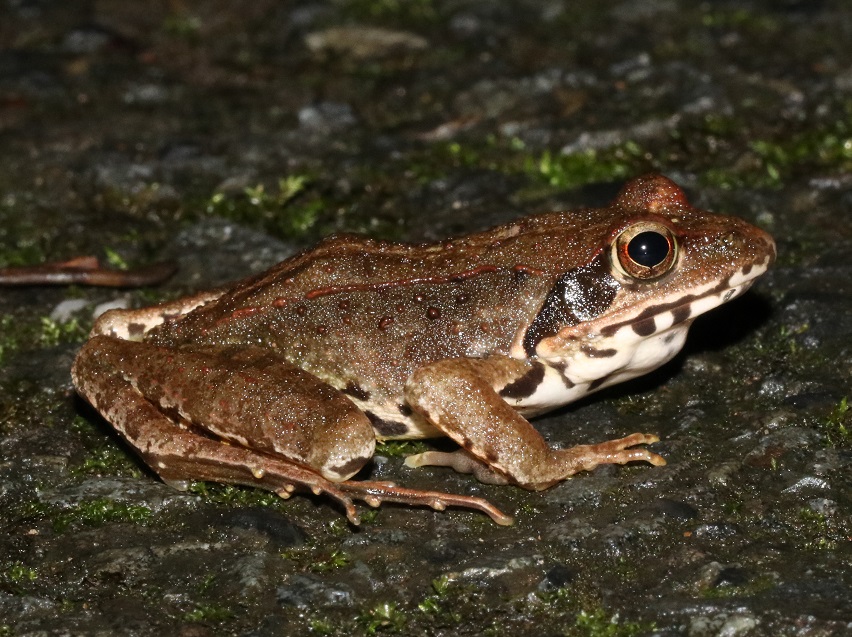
287,379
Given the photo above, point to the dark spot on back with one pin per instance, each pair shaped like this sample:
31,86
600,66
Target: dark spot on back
386,428
135,329
489,455
525,385
353,390
405,409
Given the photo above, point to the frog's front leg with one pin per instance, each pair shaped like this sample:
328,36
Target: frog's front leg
461,398
241,416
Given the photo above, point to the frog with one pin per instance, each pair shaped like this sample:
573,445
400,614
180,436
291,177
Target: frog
289,379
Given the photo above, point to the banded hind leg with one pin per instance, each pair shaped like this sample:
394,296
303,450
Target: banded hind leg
242,416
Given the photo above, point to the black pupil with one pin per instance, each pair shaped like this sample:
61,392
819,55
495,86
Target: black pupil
648,249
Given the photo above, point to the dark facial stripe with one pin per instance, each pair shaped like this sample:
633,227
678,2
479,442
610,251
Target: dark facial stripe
386,427
525,385
644,327
675,307
594,352
561,367
579,295
680,314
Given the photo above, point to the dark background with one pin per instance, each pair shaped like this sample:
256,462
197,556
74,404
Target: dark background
226,135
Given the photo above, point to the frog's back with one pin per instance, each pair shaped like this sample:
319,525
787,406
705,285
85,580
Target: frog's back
382,309
546,244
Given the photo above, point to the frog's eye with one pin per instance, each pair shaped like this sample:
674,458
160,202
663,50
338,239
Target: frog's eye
645,251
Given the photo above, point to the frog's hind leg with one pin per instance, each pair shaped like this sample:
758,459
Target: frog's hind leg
240,416
178,452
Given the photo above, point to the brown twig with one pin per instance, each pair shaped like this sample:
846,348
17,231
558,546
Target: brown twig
86,271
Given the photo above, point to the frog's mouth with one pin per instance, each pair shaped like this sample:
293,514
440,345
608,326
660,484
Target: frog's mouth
677,310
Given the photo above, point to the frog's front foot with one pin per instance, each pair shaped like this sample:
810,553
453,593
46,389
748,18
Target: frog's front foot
620,451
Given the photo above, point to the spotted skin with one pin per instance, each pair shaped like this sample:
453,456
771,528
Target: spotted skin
301,369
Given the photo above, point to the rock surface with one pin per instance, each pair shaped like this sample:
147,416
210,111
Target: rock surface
228,135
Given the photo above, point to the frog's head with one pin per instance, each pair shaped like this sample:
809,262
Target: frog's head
658,265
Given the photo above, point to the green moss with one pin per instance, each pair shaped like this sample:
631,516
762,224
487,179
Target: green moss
599,623
385,617
56,332
108,461
235,495
17,578
208,614
837,428
21,334
321,626
100,511
337,559
9,336
291,209
206,583
770,162
568,171
547,171
740,19
400,448
435,161
18,572
818,532
574,611
21,240
748,589
183,25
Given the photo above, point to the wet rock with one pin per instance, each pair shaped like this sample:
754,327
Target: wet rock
240,251
723,625
309,591
281,531
676,509
154,495
557,576
364,42
716,532
326,117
